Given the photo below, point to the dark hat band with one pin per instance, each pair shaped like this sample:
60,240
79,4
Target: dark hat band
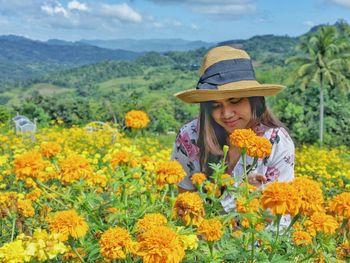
226,71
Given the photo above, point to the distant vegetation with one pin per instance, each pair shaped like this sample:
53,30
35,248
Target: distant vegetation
106,90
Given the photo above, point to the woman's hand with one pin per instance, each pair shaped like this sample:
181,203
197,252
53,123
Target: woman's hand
256,179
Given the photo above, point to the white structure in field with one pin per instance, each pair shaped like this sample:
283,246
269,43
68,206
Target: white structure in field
24,126
101,126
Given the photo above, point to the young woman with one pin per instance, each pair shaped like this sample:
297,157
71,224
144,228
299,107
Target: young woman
230,98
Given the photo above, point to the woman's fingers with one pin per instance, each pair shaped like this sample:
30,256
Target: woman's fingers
257,179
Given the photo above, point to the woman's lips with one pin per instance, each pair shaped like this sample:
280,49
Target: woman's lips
231,123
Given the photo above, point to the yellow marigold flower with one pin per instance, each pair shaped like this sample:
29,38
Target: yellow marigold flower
343,251
245,222
14,252
282,198
74,168
237,234
211,229
302,238
189,207
226,180
340,205
212,189
68,223
169,172
189,242
149,221
121,157
198,178
136,119
244,206
260,147
311,195
320,222
29,164
242,138
161,244
34,195
50,149
98,179
115,243
25,207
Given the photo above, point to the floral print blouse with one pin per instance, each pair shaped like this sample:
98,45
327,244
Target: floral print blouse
279,166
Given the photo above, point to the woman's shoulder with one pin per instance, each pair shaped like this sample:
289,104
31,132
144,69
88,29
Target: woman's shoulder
276,135
190,129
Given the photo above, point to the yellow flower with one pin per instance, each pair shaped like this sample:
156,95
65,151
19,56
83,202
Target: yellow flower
50,149
340,205
198,178
282,198
149,221
68,223
34,195
260,147
242,138
189,207
122,157
247,206
14,252
302,238
311,195
212,189
226,180
169,172
189,242
161,244
115,243
25,207
211,229
136,119
74,168
343,251
320,222
29,164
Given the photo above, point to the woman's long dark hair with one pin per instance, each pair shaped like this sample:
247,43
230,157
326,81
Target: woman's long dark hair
212,137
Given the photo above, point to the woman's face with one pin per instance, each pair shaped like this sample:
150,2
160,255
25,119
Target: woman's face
231,114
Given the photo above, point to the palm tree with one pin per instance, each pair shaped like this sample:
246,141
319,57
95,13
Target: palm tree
323,61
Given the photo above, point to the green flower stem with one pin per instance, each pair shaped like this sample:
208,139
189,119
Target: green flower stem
278,220
243,153
210,245
44,188
165,192
13,227
291,223
70,241
253,247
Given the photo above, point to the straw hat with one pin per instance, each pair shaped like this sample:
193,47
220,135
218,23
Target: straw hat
225,73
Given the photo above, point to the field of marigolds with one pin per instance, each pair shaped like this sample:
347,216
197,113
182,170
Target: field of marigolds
97,195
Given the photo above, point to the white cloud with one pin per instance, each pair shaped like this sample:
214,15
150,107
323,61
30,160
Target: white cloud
75,5
54,9
309,24
121,12
345,3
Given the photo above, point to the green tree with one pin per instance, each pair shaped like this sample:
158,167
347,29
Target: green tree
322,61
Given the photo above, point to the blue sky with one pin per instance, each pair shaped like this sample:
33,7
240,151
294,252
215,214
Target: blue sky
207,20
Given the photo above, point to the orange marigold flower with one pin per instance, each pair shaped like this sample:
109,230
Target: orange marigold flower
212,189
311,195
260,147
242,138
189,207
123,157
74,168
169,172
282,198
149,221
50,149
340,205
302,238
161,244
29,164
198,178
68,223
244,206
211,229
227,180
34,195
320,222
343,251
136,119
25,207
115,243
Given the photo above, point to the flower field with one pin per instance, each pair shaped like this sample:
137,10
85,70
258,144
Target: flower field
78,195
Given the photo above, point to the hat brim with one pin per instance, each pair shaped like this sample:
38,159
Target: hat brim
229,90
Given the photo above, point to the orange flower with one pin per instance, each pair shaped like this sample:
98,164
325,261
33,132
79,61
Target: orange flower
260,147
169,172
161,244
149,221
227,180
211,229
68,223
302,238
189,207
198,178
136,119
29,164
311,195
212,189
74,168
123,157
25,207
115,243
343,251
340,205
281,198
50,149
320,222
242,138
